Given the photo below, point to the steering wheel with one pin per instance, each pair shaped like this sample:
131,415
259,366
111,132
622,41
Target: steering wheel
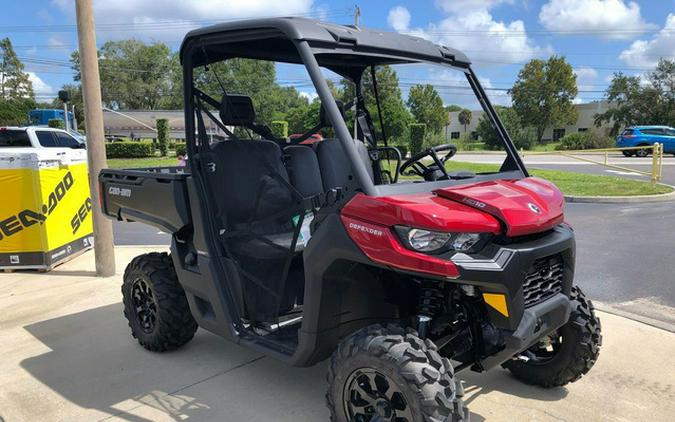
413,166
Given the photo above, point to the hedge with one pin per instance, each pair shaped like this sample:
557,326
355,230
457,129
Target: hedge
163,136
129,150
417,132
585,140
56,123
280,128
181,149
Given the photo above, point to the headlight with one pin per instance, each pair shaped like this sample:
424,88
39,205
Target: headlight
428,241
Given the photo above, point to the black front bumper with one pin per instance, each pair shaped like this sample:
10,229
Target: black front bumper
536,322
503,269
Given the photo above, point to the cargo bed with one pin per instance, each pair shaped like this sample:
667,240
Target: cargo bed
153,195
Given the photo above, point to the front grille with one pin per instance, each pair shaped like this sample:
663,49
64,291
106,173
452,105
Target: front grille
544,280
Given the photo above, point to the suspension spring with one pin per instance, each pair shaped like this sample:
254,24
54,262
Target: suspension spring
430,303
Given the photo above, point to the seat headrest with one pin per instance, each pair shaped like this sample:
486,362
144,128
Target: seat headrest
237,110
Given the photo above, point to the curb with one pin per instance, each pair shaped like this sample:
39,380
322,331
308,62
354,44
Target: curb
662,197
609,309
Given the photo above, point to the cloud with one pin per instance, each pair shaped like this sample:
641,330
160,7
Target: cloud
585,78
310,95
40,87
55,42
399,18
463,6
613,18
183,13
478,34
647,53
44,15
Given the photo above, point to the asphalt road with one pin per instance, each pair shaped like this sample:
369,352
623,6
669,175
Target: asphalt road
624,251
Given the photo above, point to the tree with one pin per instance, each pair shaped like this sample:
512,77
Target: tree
163,136
452,107
395,115
464,118
542,95
522,137
426,107
14,82
15,112
133,75
633,102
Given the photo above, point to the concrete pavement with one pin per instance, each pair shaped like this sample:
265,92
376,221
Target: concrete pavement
67,355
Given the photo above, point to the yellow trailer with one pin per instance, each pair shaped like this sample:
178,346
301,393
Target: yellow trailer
45,210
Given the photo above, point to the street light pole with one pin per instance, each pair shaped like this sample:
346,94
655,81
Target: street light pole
104,252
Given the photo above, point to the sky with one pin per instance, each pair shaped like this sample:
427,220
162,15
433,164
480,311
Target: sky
597,37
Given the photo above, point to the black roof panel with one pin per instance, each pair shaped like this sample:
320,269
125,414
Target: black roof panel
327,36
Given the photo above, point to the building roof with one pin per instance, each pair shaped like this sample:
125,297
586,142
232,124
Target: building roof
269,39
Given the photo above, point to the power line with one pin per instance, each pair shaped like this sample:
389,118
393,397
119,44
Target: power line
165,24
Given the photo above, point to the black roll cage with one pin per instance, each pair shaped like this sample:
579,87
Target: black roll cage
346,50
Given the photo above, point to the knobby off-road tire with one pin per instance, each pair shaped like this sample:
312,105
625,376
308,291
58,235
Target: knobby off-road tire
388,366
155,304
578,352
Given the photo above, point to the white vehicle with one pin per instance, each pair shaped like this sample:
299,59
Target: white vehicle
32,138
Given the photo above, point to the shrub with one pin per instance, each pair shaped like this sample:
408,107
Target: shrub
56,123
417,132
181,148
280,129
163,136
129,150
585,140
524,138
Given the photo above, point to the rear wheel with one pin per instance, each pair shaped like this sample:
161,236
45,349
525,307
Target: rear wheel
389,374
627,153
565,355
644,152
155,304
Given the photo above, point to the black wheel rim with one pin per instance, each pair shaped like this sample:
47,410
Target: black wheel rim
144,305
544,351
370,396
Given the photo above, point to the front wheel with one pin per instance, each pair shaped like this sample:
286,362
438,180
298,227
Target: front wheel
565,355
389,374
627,153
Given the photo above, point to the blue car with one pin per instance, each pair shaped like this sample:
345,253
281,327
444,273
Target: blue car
636,136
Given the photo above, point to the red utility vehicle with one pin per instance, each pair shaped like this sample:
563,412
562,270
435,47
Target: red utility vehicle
306,252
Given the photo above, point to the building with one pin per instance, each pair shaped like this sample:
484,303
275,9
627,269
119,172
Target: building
139,124
585,121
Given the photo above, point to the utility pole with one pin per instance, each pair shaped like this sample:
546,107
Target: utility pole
104,251
357,15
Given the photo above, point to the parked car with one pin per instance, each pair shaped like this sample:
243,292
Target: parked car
32,137
636,136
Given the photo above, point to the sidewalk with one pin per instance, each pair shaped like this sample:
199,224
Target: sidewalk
67,355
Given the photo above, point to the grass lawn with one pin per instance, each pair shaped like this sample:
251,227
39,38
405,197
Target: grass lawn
127,163
570,183
577,183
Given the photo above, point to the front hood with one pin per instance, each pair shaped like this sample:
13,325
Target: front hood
525,206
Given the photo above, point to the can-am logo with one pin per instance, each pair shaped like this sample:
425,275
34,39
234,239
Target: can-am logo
474,203
123,192
535,209
365,229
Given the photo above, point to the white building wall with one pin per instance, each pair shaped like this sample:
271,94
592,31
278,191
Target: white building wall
585,120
